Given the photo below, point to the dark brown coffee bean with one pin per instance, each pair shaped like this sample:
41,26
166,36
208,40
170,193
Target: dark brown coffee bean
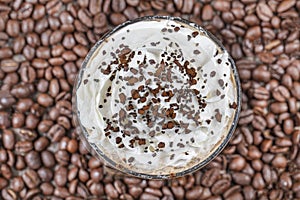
6,171
61,192
45,174
220,186
210,177
13,28
85,17
41,144
8,139
285,5
83,175
98,189
241,178
82,190
96,174
56,133
94,163
8,194
259,123
31,178
8,65
3,183
207,12
60,176
249,192
263,11
246,117
72,173
279,161
31,121
178,192
47,188
279,107
52,7
296,90
117,18
118,6
18,120
221,5
17,184
45,100
237,163
62,157
23,147
3,156
33,160
194,193
258,181
48,159
20,162
72,146
24,105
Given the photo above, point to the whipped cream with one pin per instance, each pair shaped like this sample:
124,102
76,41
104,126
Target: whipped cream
157,97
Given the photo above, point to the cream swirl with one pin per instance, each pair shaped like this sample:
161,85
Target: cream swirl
157,96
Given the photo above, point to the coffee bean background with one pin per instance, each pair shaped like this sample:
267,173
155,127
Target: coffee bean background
42,46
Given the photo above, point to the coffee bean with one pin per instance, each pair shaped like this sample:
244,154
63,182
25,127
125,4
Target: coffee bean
279,161
47,158
194,193
117,18
209,177
85,17
3,183
285,5
31,178
41,144
47,188
178,192
237,163
8,194
33,160
220,186
13,28
60,176
83,175
8,139
62,157
45,174
61,192
56,132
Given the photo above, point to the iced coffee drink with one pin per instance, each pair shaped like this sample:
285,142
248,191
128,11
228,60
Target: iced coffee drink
157,97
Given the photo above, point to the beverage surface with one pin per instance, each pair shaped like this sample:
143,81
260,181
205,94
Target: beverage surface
157,96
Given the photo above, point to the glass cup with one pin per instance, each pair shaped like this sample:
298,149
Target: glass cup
157,97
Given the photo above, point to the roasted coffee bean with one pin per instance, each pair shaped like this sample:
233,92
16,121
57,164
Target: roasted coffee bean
47,188
17,184
220,186
60,176
8,139
41,143
83,175
210,177
31,178
47,158
33,160
96,174
45,174
23,147
8,194
62,157
56,132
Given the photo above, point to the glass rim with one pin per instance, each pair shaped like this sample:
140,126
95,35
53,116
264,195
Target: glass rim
94,149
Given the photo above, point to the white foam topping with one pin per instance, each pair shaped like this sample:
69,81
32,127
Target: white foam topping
157,97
